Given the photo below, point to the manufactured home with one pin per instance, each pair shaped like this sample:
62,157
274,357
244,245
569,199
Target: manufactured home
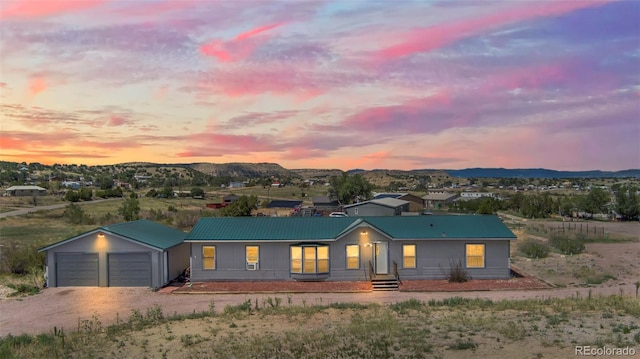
348,248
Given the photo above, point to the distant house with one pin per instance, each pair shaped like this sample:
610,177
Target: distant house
132,254
228,199
237,185
475,195
348,248
23,191
435,200
416,204
324,204
378,207
70,184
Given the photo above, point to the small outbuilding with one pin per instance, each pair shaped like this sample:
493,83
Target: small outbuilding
378,207
141,253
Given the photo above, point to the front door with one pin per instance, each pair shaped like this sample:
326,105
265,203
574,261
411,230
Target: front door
381,254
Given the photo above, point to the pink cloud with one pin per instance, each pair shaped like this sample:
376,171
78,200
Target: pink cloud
118,121
155,8
34,9
241,47
430,38
414,116
36,86
213,144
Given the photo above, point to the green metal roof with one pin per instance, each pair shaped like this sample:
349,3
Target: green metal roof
319,228
148,232
268,228
143,231
443,226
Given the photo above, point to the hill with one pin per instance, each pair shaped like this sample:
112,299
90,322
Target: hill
538,173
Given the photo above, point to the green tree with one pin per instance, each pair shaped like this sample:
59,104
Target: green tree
72,196
75,215
350,188
197,192
86,194
628,203
167,192
241,207
489,206
130,209
595,201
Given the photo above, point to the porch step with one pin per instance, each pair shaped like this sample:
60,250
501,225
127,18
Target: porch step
387,284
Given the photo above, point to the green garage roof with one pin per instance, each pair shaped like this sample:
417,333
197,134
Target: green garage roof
324,228
148,232
143,231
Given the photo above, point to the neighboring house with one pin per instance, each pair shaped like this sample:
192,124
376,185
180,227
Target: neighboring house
347,248
377,207
25,191
132,254
70,184
228,199
324,204
236,185
435,200
416,204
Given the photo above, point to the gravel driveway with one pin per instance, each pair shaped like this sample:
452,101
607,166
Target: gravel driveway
64,307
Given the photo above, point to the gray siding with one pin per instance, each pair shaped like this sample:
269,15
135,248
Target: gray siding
433,259
371,209
178,258
91,243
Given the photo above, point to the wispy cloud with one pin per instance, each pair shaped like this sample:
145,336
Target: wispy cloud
240,47
35,9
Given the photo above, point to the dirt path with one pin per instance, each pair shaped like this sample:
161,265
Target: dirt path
19,212
64,307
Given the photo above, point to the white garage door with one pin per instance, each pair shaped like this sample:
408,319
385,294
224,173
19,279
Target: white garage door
77,269
129,269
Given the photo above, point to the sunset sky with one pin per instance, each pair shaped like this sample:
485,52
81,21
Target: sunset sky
322,84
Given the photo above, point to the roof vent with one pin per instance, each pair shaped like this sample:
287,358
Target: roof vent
431,225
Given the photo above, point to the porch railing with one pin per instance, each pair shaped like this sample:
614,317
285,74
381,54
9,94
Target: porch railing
395,271
371,274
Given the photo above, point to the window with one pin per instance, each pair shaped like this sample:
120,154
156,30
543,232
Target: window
409,256
323,259
475,255
309,259
309,263
208,257
353,256
296,259
253,254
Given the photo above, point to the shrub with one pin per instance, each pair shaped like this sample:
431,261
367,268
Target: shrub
20,259
457,273
532,248
567,245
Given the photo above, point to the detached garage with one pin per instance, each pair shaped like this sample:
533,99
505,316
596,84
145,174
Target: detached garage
133,254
